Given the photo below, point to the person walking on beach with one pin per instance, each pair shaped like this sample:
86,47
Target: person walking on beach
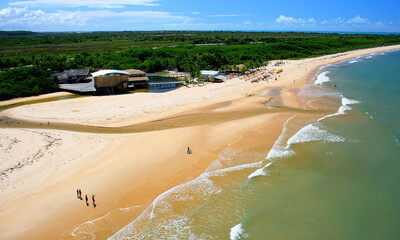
86,198
79,194
94,201
189,151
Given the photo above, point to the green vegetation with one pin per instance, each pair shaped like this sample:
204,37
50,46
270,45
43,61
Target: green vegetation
26,81
155,51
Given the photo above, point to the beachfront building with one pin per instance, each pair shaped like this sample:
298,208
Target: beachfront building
74,76
111,81
208,75
137,79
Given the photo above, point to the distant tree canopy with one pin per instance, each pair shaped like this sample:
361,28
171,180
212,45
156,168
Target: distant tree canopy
187,51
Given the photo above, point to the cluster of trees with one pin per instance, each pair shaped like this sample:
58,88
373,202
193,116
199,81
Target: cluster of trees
26,81
159,50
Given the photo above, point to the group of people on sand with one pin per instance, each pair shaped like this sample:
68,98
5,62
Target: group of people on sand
79,196
260,75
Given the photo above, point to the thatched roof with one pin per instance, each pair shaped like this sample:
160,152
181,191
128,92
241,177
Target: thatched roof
135,72
134,79
73,73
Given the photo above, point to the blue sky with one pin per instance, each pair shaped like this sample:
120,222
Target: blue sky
244,15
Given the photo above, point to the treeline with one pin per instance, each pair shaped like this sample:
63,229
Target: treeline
191,58
19,42
250,48
24,82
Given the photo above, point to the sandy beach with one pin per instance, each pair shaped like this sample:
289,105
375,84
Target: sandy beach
43,167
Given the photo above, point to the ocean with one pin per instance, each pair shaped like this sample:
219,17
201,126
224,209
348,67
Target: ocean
330,175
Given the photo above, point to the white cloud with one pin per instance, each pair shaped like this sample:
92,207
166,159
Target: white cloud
23,18
247,22
379,25
335,21
12,12
195,13
291,20
83,3
358,20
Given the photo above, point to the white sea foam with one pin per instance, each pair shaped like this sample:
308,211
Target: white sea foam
353,61
396,140
237,232
279,149
279,152
322,78
200,188
369,115
346,101
368,57
260,171
222,172
342,109
312,133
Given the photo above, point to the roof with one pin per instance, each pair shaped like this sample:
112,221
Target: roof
135,72
73,72
79,87
108,72
209,72
132,79
222,78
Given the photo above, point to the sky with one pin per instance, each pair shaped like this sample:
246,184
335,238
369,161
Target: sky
244,15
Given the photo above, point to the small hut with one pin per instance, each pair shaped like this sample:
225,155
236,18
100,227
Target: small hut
74,76
110,81
137,79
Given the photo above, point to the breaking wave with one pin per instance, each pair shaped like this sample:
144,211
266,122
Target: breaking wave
237,232
322,78
260,171
342,109
312,133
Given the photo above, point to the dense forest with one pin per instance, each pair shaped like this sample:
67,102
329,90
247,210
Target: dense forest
187,51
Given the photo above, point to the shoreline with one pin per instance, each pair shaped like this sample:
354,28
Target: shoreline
146,165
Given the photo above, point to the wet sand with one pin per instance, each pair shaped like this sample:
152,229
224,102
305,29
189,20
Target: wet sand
144,157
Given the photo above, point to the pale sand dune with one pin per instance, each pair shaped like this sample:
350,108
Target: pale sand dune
41,169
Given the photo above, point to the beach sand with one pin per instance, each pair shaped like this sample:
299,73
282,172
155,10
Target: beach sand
42,168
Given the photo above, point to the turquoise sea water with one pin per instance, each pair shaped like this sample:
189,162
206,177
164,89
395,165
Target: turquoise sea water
334,176
342,181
